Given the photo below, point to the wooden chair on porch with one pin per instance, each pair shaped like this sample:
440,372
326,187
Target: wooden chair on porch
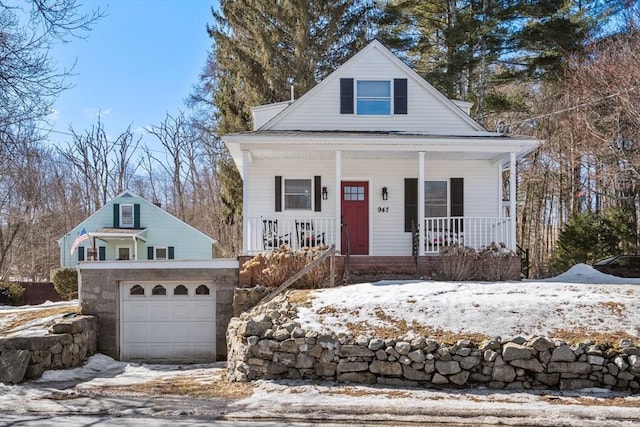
270,237
307,236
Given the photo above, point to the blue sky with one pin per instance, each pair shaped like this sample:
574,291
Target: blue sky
139,62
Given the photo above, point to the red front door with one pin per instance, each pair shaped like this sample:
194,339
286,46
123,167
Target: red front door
355,217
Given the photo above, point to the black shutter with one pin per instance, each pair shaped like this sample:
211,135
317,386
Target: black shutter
80,253
346,96
400,96
456,190
278,194
171,251
149,252
136,215
317,190
116,215
102,253
410,203
457,196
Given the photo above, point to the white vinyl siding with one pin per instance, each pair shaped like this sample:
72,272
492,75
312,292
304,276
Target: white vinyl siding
426,112
387,235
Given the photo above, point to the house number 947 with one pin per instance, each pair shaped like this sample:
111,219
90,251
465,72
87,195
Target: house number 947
383,210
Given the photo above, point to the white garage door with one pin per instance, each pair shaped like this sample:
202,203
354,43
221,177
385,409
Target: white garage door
168,322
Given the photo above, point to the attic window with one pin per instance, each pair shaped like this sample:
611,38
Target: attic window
126,216
373,97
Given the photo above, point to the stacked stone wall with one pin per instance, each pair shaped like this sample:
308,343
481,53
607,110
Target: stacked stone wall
68,345
267,343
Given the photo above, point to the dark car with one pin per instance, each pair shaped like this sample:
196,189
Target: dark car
5,296
621,265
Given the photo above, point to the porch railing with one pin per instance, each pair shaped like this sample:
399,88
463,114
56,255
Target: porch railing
268,233
476,233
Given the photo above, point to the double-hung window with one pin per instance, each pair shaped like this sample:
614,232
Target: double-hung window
435,199
373,97
126,216
160,253
297,194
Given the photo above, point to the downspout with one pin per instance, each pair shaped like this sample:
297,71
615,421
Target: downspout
135,248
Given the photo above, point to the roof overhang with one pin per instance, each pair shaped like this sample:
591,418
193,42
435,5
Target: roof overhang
111,234
321,145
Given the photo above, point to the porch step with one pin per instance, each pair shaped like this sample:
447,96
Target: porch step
374,268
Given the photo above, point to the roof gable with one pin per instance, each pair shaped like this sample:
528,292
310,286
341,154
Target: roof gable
429,111
102,218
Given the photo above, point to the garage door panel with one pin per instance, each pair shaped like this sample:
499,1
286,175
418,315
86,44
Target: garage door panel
135,310
203,311
168,328
135,332
181,310
158,311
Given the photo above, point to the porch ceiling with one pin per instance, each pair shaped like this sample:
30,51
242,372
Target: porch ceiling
375,145
260,153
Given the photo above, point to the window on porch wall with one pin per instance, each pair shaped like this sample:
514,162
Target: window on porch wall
435,199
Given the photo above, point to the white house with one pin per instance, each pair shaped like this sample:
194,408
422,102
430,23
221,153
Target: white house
368,155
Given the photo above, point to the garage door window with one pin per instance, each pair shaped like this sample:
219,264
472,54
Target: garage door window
159,290
180,290
202,290
136,290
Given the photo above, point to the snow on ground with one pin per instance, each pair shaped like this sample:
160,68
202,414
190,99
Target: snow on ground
580,299
39,326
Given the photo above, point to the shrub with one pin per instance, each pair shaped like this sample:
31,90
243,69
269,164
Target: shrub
273,268
496,263
458,262
65,281
16,293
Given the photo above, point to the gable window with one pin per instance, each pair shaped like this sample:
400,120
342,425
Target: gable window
126,216
297,194
373,97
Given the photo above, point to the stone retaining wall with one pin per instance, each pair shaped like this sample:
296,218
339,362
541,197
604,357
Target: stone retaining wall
268,343
68,345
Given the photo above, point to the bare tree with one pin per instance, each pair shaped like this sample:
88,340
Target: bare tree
29,78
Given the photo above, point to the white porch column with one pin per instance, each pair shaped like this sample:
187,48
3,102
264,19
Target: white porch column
245,202
512,199
501,212
421,225
338,199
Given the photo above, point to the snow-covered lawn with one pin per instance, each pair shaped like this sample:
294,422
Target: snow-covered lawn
580,302
33,320
582,299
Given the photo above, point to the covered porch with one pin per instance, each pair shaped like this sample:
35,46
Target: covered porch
391,178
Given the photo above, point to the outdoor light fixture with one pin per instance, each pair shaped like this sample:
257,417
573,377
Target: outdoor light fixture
325,195
385,193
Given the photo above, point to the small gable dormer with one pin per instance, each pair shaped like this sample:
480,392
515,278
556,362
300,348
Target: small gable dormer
126,215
